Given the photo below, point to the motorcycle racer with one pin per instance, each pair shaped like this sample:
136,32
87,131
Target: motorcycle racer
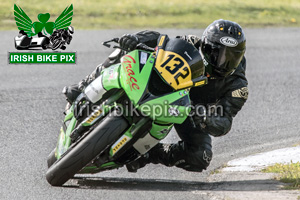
62,34
222,47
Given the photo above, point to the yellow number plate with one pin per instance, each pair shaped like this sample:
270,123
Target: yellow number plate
174,69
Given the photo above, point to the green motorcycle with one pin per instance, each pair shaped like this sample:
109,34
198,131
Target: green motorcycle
127,110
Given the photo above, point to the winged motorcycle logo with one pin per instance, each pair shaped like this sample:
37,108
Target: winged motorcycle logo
50,35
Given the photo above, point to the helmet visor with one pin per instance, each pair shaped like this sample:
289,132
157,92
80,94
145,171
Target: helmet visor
223,59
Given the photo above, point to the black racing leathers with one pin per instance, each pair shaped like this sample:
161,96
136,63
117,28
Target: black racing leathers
223,98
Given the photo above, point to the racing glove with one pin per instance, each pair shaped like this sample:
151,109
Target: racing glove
129,41
192,39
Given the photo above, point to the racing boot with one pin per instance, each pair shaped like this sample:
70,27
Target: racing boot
72,92
166,154
179,154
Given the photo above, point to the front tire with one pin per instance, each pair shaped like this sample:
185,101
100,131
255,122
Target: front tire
51,158
83,152
56,44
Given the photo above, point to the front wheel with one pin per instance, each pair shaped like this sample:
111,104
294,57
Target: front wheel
51,158
83,152
56,44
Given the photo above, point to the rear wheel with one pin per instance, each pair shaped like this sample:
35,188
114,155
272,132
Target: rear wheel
45,43
83,152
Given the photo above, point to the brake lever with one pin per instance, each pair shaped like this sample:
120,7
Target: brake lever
106,43
116,40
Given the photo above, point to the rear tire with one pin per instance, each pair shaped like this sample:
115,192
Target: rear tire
83,152
45,43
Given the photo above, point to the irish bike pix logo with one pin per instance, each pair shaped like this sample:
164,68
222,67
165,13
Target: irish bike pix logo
43,34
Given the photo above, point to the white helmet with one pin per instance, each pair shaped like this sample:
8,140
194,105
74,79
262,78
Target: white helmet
71,29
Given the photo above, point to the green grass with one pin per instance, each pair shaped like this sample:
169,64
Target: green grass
218,170
287,173
116,14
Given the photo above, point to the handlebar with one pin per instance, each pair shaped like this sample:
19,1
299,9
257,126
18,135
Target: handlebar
140,46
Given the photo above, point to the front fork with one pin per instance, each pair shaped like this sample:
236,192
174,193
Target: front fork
138,140
69,134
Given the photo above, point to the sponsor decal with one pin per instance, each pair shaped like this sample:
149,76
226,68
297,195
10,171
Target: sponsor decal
94,116
229,41
161,40
207,156
127,61
166,147
174,111
147,147
164,131
111,74
144,57
200,83
186,53
62,134
205,62
241,93
61,148
116,147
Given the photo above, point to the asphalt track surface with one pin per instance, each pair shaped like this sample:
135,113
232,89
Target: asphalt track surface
31,108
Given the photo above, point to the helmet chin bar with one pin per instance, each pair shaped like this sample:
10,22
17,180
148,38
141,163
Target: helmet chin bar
210,69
